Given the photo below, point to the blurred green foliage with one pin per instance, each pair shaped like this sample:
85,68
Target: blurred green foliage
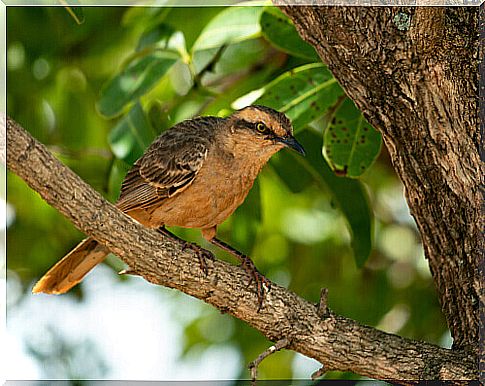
97,93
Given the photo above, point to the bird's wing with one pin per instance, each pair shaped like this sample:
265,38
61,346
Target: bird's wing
169,166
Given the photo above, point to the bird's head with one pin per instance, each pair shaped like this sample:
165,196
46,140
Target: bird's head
262,130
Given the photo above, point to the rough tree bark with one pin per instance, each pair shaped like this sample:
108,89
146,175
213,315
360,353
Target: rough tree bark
414,74
337,342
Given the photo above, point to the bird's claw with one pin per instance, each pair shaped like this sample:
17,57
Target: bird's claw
202,254
263,285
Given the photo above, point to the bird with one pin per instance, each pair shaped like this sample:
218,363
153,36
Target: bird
194,175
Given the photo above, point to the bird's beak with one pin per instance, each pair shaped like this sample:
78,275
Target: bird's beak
292,143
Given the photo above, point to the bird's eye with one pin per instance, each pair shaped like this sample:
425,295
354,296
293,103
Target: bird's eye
261,127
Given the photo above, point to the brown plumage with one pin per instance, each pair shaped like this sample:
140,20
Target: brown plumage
194,175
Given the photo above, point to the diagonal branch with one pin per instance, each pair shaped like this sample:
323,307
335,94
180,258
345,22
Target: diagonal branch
337,342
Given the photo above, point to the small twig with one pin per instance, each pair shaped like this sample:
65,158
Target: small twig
209,67
322,312
322,308
128,271
320,372
253,366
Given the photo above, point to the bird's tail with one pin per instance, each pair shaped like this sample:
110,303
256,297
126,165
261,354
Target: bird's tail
72,268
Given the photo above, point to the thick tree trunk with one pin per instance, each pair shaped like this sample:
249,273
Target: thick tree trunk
414,74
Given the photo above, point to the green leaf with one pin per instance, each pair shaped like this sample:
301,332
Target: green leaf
246,220
235,58
164,37
290,171
233,25
349,195
131,136
351,144
240,87
136,16
140,76
278,29
304,93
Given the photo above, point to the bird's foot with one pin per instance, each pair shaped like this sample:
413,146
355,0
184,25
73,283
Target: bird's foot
202,254
263,285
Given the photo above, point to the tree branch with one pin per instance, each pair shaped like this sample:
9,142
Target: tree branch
253,366
337,342
413,73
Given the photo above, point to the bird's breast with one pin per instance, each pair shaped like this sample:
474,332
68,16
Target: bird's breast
219,188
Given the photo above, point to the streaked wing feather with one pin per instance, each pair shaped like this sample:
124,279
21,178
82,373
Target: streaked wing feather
164,171
136,192
169,165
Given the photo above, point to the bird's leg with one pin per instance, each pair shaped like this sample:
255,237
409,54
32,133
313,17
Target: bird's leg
202,254
262,283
